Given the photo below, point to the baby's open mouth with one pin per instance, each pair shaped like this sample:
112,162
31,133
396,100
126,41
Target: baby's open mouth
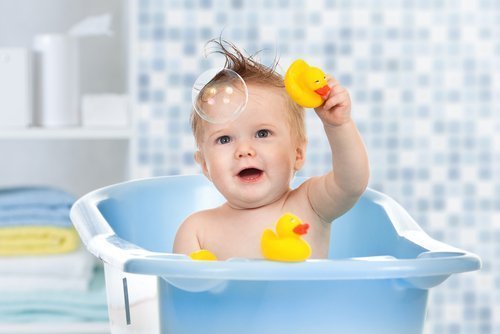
250,174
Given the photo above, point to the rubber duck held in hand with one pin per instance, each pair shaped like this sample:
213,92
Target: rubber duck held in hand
306,85
286,244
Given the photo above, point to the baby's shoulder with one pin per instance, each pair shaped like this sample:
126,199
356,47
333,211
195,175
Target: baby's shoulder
298,199
202,216
195,217
301,192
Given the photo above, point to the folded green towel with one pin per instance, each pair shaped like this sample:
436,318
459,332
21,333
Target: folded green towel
64,306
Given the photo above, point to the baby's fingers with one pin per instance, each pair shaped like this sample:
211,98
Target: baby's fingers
332,83
330,103
336,97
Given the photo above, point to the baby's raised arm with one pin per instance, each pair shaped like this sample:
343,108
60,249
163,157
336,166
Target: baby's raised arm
333,194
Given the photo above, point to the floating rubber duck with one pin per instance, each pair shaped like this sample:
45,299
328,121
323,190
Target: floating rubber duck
203,255
286,244
306,85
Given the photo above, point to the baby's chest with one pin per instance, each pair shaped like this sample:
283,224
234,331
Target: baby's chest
228,243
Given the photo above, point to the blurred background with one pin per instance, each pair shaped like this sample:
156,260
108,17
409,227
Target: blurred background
424,77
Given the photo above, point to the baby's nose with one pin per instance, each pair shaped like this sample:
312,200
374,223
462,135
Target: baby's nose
244,151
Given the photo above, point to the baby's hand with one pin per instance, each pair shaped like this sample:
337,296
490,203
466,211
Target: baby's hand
337,107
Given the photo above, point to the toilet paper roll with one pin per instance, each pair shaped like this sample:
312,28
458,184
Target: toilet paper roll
57,80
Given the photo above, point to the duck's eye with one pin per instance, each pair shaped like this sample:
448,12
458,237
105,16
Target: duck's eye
263,133
324,77
317,81
223,140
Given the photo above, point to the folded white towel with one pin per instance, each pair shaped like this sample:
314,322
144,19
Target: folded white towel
78,264
13,283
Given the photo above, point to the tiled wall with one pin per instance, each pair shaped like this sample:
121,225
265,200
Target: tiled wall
424,77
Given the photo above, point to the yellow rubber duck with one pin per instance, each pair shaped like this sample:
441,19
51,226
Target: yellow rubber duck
203,255
306,85
286,244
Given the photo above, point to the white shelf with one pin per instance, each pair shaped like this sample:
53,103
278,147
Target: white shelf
66,133
61,328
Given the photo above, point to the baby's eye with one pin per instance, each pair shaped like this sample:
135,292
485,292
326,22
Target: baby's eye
223,140
263,133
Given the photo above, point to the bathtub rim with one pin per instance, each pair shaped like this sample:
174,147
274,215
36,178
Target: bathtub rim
440,261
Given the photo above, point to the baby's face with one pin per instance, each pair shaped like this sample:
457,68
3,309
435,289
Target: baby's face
252,159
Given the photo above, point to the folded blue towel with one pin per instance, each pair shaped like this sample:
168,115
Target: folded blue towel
35,206
61,306
37,197
35,216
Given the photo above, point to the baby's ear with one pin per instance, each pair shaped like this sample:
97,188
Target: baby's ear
300,156
200,160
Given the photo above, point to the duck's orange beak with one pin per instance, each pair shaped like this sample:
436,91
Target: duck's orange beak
323,91
301,229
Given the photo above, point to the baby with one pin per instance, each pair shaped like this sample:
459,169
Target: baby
252,160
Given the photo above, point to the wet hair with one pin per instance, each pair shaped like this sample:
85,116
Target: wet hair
256,73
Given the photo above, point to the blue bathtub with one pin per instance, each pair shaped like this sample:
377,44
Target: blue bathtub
376,280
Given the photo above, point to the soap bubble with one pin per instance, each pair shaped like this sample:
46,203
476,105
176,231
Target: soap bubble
219,96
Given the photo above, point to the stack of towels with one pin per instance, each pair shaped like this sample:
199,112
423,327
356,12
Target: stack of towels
45,274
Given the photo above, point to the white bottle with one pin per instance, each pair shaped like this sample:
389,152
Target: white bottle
57,80
15,88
